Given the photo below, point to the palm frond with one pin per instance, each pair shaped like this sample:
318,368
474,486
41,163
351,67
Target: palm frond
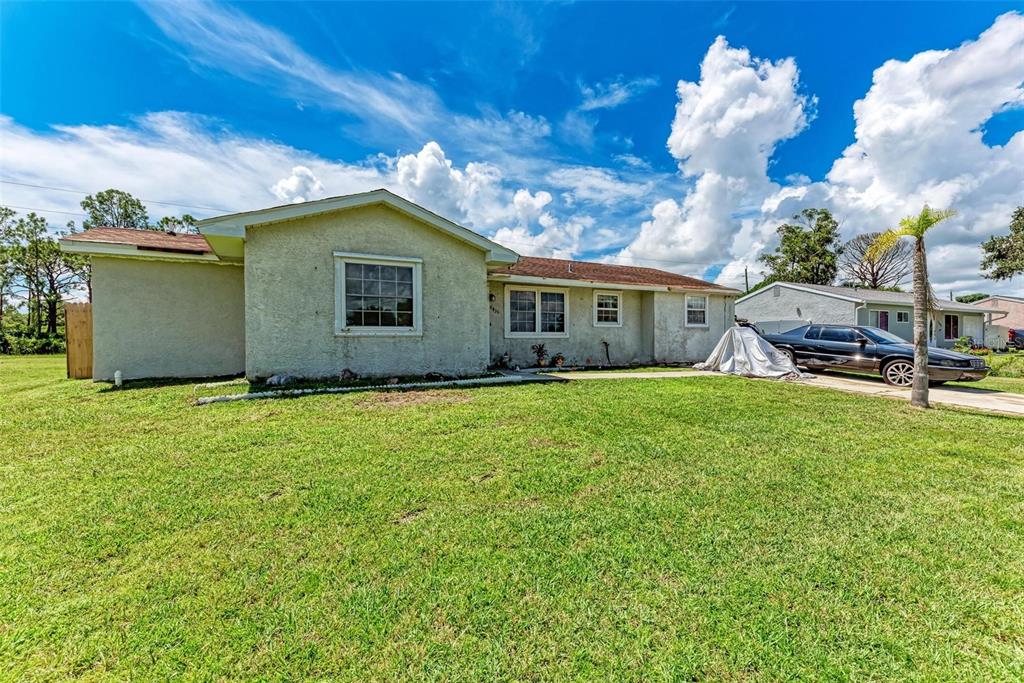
886,241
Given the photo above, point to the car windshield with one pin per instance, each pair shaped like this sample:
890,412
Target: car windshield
880,336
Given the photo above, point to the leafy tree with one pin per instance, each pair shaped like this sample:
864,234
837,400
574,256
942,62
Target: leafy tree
34,270
182,223
7,269
971,298
915,227
114,209
1004,256
808,249
863,268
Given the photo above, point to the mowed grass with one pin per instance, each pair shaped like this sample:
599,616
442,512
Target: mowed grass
690,528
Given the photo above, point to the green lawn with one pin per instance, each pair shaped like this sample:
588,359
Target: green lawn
691,528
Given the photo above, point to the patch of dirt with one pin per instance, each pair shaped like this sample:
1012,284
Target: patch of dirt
400,399
410,516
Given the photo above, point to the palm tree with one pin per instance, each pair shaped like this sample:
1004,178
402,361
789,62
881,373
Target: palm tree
916,227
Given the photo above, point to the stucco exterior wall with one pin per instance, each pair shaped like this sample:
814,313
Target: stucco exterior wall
626,344
676,343
971,325
166,319
1013,308
782,303
290,298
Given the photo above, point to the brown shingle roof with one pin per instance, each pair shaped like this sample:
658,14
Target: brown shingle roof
156,240
562,269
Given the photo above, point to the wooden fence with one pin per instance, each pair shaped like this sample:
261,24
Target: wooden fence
78,325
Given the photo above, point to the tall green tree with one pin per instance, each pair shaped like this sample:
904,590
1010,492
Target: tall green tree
114,209
7,269
808,250
915,227
1004,256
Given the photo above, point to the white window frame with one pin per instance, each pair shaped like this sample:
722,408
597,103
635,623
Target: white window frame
686,310
343,330
509,334
959,326
901,313
618,307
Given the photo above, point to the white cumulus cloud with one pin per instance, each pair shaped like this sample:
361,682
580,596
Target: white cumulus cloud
301,186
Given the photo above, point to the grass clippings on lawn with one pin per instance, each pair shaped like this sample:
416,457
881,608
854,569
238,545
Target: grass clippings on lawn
710,528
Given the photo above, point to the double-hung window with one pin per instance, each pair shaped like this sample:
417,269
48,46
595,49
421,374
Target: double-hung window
903,316
377,295
536,312
607,309
696,310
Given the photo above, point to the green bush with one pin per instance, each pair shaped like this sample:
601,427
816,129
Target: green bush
1006,364
20,346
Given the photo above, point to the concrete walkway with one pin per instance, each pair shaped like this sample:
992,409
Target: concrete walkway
960,396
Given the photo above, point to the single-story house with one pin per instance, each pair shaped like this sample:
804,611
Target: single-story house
893,311
376,284
1012,305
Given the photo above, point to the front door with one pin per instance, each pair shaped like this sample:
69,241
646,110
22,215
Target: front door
879,319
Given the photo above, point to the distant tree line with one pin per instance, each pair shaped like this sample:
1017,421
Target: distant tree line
36,276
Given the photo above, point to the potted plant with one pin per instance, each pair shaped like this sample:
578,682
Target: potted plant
558,360
541,352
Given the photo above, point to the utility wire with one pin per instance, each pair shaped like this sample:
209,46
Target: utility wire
209,208
82,192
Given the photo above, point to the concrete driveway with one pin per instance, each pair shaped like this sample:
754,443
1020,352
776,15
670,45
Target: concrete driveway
960,396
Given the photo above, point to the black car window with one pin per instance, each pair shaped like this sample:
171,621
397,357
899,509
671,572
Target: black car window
812,332
839,334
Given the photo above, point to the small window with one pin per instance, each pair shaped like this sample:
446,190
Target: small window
377,295
541,312
696,311
813,332
903,316
951,325
607,309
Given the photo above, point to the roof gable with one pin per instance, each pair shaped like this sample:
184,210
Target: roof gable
234,225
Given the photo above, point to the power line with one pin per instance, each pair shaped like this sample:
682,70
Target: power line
209,208
36,208
82,192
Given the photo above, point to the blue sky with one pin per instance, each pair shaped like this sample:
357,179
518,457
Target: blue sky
540,94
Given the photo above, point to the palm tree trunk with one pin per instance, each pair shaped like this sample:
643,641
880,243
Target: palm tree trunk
919,391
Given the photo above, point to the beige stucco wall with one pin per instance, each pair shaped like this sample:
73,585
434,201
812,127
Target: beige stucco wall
626,344
290,298
1013,308
676,343
166,319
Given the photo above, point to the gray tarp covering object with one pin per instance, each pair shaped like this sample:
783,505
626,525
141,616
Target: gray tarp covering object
742,351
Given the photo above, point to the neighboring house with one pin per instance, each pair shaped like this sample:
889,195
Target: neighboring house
1012,305
376,284
892,311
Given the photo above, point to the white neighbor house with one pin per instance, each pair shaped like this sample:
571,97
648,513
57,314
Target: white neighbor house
376,284
799,304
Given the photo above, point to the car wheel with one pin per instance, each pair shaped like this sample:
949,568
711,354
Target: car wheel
790,355
899,373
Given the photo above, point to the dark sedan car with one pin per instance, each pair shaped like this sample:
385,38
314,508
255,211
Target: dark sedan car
869,349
